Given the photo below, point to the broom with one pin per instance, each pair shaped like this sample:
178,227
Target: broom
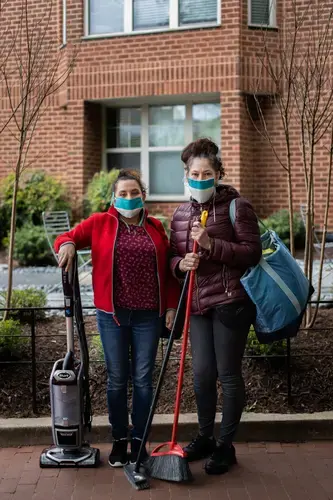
171,464
135,473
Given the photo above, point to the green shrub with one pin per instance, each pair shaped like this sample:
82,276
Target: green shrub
31,246
95,347
165,221
10,340
256,349
4,224
30,297
37,192
99,190
279,222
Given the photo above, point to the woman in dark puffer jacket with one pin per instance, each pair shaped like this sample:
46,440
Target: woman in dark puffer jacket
222,312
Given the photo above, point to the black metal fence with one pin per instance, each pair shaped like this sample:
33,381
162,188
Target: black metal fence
30,316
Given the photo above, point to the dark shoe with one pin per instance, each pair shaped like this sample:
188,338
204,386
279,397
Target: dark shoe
135,447
200,447
221,460
118,456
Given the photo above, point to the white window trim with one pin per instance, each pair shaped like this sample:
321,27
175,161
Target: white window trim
128,22
145,149
272,15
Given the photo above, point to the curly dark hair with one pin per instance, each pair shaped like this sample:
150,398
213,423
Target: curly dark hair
129,175
203,148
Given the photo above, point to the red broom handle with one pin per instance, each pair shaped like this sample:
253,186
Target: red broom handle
184,344
183,354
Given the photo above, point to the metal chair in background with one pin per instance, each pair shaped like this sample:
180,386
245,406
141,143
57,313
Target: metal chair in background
317,240
56,223
328,261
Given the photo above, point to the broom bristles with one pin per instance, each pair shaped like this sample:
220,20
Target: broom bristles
169,468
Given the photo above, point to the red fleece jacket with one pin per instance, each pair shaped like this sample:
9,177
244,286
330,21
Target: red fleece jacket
99,232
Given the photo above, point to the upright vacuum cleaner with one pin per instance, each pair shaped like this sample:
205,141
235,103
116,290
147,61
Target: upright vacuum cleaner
69,390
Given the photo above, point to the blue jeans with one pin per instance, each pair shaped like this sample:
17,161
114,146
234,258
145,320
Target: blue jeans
140,332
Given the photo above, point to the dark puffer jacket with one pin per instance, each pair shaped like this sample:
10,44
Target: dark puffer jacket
233,250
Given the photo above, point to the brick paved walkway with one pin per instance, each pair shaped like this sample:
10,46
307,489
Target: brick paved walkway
265,471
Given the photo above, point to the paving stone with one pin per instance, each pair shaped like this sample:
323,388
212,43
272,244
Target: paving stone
265,471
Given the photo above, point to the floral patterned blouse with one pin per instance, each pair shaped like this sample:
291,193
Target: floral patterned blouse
136,282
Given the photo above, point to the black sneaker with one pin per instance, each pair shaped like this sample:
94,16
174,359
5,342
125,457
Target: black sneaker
135,447
118,456
221,460
200,447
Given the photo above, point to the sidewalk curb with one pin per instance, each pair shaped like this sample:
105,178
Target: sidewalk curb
253,427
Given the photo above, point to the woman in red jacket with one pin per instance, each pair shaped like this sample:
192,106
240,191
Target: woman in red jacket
221,310
133,288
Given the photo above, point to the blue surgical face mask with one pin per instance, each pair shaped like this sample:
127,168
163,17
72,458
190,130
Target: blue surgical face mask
128,208
201,191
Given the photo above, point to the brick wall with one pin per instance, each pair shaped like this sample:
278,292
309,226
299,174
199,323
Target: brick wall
92,143
166,209
222,60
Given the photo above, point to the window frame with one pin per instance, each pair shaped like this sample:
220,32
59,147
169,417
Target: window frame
272,16
128,21
145,148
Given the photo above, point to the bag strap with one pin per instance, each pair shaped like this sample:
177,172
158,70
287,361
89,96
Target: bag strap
232,211
232,215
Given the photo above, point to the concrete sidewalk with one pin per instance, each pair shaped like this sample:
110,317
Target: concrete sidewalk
268,471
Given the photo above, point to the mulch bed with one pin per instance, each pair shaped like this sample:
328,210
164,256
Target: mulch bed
265,379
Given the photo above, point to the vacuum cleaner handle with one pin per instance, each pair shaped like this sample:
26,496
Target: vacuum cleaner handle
162,372
67,285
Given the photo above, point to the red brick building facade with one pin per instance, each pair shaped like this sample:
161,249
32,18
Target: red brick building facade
151,75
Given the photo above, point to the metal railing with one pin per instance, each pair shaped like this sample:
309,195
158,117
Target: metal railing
29,315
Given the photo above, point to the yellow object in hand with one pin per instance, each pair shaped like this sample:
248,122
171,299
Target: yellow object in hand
204,217
267,251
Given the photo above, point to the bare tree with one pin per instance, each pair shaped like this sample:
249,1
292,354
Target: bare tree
299,67
33,72
5,48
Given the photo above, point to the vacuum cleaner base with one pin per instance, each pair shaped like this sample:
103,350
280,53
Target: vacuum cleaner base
57,457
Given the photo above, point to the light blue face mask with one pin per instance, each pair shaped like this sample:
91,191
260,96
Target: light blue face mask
201,191
128,208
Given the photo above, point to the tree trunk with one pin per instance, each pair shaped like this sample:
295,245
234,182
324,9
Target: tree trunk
291,213
323,239
11,247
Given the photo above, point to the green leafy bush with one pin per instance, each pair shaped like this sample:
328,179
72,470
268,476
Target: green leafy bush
4,224
165,221
99,190
10,340
254,348
95,347
30,297
31,246
37,192
279,222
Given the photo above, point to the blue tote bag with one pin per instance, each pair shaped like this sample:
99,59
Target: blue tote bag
278,288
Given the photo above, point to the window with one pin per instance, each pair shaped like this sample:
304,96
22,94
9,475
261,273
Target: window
197,11
123,138
150,14
106,16
132,16
151,139
262,12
